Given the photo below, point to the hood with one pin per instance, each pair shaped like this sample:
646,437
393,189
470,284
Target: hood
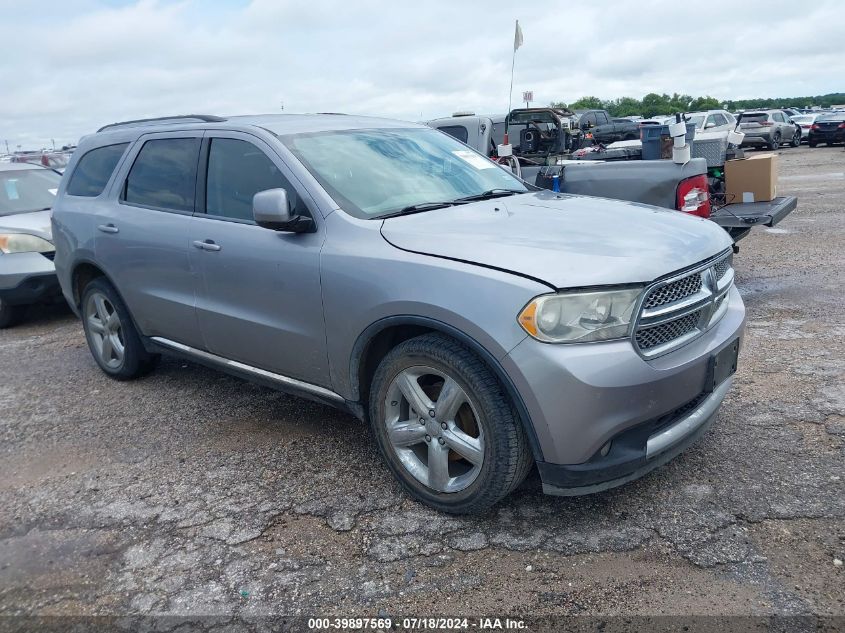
36,223
563,240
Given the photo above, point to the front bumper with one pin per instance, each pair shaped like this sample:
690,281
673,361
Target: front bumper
580,397
27,278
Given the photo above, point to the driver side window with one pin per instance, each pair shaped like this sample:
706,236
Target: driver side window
237,170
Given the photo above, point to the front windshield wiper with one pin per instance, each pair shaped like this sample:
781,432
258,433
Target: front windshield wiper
490,193
418,208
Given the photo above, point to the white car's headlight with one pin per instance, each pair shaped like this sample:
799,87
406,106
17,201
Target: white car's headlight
580,317
24,243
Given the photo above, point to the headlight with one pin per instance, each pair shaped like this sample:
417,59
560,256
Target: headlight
580,317
24,243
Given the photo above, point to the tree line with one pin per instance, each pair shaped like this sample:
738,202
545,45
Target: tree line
654,104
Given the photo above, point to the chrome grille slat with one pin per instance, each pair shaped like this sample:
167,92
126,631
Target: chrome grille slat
657,335
674,291
676,311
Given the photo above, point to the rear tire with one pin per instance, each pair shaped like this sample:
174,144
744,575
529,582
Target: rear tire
473,451
111,334
10,315
775,142
812,143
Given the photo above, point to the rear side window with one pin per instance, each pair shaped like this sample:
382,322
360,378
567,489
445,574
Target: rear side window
164,174
237,170
94,170
457,131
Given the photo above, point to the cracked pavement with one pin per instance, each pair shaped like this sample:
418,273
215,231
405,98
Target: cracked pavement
190,492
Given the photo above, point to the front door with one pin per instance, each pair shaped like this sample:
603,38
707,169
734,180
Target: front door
259,299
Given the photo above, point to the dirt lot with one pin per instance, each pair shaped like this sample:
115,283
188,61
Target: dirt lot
191,492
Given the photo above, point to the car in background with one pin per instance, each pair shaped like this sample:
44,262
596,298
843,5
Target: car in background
805,122
27,274
768,128
588,120
617,130
53,160
828,128
712,120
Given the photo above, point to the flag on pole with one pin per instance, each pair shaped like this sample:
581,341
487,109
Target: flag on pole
517,37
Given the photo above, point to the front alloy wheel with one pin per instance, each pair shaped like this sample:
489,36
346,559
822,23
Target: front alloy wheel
432,426
445,425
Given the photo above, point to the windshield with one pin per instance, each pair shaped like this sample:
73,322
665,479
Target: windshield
377,172
24,190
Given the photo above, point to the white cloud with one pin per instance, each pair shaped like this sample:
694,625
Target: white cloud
70,67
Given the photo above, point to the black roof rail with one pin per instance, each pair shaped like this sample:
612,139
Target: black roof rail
206,118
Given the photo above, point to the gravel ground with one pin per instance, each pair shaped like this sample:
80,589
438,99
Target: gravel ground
190,492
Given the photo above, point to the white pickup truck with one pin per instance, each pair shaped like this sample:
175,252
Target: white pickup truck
542,138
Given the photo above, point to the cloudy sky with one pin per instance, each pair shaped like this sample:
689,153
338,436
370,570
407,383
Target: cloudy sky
68,67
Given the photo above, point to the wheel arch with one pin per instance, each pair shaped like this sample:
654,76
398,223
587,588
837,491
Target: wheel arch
83,273
373,344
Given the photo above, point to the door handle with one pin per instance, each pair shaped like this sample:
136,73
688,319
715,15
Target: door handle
108,228
207,245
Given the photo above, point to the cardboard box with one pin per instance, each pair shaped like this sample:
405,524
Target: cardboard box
751,179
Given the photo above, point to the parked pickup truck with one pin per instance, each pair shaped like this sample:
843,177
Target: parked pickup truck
541,139
617,130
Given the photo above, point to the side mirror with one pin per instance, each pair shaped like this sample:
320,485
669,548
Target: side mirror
271,210
709,125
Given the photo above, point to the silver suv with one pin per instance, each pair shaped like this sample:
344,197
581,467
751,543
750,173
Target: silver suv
769,128
481,326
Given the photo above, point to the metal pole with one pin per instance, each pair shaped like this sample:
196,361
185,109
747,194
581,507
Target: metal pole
510,97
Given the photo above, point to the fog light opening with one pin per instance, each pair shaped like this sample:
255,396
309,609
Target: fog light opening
604,450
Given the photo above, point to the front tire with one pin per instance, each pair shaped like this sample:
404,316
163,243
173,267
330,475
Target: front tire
111,334
9,315
446,427
796,140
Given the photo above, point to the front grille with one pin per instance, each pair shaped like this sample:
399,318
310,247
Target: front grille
675,312
666,332
722,267
674,291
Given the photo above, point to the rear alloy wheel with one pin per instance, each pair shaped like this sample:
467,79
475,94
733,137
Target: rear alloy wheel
445,427
9,314
796,139
111,335
775,142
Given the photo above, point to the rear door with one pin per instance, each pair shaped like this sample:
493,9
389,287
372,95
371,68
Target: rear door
142,235
259,298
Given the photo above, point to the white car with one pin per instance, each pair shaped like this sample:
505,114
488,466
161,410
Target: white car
805,121
712,120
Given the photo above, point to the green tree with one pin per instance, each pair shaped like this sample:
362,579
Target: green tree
654,104
624,106
587,103
705,103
